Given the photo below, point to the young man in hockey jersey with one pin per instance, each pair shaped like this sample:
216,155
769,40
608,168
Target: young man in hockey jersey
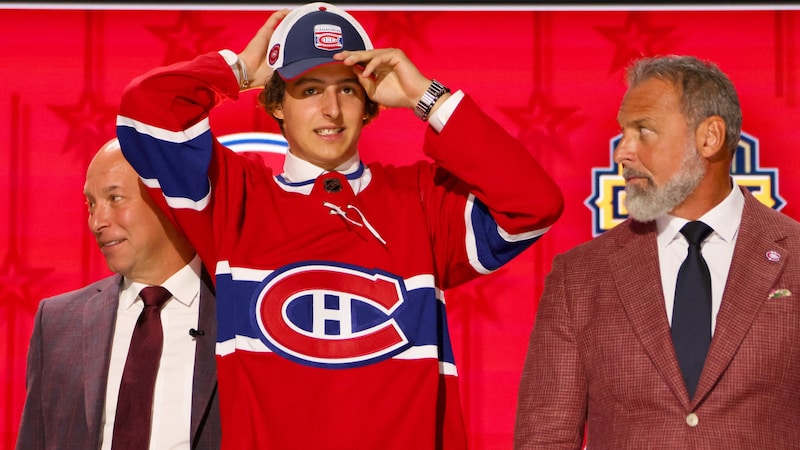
332,329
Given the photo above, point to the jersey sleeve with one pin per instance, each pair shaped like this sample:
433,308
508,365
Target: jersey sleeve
163,129
498,198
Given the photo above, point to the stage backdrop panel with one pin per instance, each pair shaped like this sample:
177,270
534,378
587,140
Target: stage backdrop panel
552,77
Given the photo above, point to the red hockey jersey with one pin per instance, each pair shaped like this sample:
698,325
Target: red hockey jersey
332,322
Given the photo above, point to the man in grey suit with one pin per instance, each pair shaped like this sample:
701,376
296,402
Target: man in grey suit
80,339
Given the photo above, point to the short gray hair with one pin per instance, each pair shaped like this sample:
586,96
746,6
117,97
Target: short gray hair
703,88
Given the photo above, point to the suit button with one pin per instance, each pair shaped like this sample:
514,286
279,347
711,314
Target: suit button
692,420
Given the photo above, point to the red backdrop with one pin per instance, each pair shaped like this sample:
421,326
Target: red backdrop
552,77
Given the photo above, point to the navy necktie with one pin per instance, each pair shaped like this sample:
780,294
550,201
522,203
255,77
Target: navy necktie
135,402
691,315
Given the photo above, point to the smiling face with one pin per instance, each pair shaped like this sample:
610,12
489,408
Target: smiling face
658,153
323,114
136,239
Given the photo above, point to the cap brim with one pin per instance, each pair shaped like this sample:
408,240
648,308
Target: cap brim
294,70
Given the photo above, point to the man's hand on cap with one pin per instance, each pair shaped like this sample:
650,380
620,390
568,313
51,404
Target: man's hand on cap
388,76
254,56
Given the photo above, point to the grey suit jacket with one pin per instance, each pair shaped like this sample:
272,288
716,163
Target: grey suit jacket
68,361
601,357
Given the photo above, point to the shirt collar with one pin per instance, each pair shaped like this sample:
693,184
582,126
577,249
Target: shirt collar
296,170
184,285
723,218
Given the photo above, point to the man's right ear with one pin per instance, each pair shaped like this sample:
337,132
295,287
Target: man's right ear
277,112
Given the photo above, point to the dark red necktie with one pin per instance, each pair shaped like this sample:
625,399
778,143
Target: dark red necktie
135,401
691,314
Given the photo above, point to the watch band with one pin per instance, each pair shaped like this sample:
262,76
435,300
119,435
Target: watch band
241,75
429,98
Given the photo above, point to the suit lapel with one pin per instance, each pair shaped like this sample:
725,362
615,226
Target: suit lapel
205,369
750,279
635,269
99,316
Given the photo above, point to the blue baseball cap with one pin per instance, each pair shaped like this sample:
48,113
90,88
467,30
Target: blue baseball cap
310,35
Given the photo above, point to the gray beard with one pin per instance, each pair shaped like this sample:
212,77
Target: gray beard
647,203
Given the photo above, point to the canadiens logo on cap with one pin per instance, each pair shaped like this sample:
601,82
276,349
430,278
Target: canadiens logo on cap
328,37
274,54
310,35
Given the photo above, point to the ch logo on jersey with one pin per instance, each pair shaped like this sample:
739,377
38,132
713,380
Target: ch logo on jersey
608,186
329,315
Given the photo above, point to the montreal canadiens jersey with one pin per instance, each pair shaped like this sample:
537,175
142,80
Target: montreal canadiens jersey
332,322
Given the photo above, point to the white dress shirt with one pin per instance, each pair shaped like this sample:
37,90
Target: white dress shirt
172,400
717,249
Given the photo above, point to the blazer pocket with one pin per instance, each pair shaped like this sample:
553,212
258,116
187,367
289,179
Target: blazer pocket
781,305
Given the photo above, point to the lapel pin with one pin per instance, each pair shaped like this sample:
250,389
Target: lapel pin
773,256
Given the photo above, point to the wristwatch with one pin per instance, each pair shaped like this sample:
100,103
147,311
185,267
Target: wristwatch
429,98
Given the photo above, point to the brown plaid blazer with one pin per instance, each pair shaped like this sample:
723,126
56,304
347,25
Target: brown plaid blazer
601,364
68,362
